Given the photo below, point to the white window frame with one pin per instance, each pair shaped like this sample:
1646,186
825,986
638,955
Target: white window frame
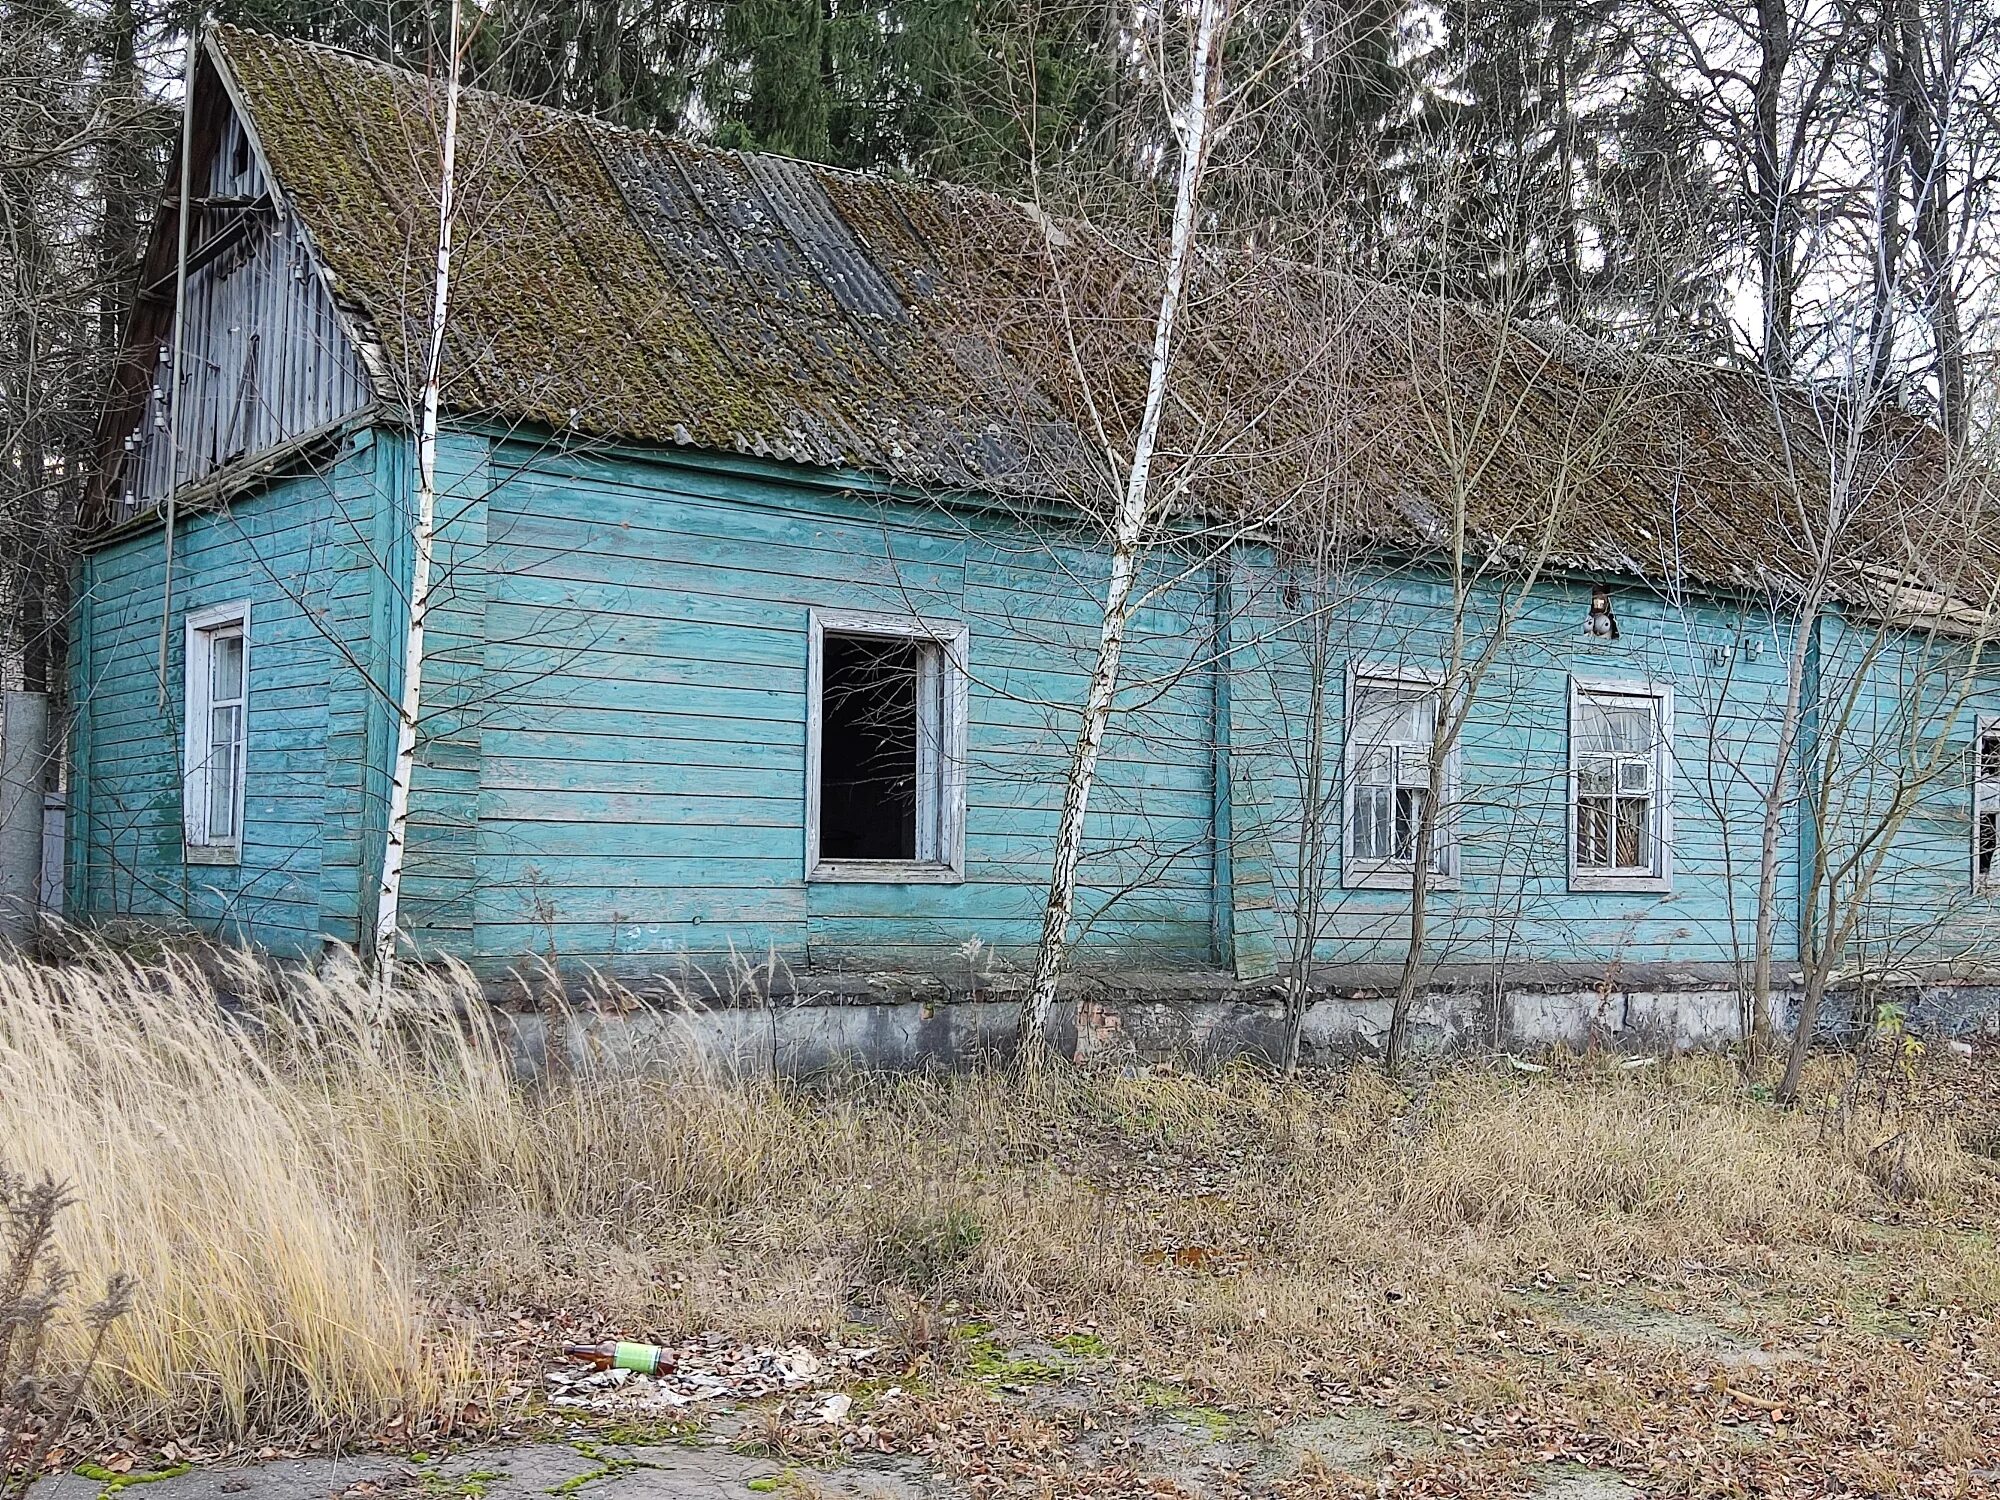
1362,873
1659,875
940,756
203,628
1985,801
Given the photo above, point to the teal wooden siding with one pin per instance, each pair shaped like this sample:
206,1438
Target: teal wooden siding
642,785
1512,904
1896,725
289,552
612,753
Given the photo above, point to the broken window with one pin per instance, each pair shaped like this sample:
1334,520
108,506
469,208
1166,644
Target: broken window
1618,747
1986,805
886,745
1391,724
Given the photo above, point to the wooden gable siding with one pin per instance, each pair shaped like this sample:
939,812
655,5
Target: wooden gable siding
265,355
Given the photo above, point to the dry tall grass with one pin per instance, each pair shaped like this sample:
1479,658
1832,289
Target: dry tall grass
322,1202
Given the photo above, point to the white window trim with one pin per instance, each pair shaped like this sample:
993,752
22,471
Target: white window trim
1661,877
197,846
1362,874
949,868
1985,798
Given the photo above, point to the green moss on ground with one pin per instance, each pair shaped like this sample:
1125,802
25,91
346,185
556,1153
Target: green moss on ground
113,1481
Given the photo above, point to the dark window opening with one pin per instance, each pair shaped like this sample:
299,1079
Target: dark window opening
873,692
1989,840
1989,755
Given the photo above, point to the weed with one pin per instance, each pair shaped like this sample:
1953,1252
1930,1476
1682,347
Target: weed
609,1466
36,1404
113,1481
981,1355
1083,1346
676,1431
413,1171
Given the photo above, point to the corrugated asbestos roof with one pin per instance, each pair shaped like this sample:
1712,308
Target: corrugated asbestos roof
626,285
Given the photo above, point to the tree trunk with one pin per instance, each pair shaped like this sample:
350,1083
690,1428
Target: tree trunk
1795,1061
395,835
1769,849
1311,864
1128,537
1396,1053
1898,121
1776,221
1925,139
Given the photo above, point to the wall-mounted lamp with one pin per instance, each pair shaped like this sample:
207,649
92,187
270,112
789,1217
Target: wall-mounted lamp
1602,623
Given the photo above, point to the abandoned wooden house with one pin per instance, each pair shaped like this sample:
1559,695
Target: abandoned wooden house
769,551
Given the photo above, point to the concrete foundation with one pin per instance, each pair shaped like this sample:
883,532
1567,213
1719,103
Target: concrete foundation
879,1025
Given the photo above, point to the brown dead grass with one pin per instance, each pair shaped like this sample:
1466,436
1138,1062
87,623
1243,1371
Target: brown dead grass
324,1201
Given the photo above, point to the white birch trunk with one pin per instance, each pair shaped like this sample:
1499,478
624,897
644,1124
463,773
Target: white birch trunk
388,896
1128,534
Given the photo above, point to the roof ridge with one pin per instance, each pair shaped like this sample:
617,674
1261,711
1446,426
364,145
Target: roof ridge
222,32
1035,213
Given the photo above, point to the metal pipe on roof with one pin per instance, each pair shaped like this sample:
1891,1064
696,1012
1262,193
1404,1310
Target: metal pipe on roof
175,380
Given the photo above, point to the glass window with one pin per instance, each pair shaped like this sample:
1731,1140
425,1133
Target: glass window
217,694
1618,760
1392,723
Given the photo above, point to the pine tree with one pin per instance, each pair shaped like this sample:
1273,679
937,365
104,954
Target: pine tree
774,82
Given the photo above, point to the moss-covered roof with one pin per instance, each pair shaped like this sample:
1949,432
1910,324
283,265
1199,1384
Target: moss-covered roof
630,286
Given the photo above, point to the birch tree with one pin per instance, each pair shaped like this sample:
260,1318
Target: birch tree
422,531
1193,130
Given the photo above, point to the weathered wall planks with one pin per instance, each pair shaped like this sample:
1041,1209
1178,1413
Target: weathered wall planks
292,552
265,355
612,763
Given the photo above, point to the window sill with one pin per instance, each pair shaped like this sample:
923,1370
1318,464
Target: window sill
1394,878
883,872
1614,882
212,854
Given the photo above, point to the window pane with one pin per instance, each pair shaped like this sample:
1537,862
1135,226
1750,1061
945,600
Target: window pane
1409,812
1593,832
1374,822
1375,767
1390,713
1988,843
224,753
1635,774
1613,725
1989,755
1633,849
225,668
1593,775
